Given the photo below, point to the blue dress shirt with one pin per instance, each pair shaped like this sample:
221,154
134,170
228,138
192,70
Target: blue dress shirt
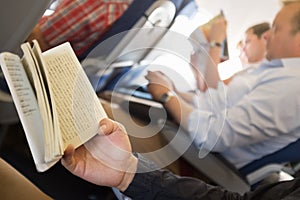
257,114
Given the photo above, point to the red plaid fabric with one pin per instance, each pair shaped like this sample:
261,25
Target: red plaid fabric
81,22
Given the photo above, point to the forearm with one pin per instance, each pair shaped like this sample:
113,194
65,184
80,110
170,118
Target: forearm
212,74
130,172
179,110
217,34
177,107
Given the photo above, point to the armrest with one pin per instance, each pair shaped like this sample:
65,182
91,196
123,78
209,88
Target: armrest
213,165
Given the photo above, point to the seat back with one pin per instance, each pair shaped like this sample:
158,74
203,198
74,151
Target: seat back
130,17
136,15
17,19
163,45
129,40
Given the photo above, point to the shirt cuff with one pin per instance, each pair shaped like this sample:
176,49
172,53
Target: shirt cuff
143,179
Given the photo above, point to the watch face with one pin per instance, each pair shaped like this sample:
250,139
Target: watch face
164,98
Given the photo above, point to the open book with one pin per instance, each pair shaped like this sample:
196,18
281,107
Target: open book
55,101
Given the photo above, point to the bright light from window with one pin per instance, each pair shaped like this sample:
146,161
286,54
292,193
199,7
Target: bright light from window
229,68
176,68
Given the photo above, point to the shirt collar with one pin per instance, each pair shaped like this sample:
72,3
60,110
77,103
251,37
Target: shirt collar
273,63
267,64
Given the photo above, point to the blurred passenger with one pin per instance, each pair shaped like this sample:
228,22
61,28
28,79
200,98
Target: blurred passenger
254,45
207,42
81,22
255,40
242,56
253,49
254,118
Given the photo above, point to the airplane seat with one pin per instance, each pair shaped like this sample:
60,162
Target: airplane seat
12,35
129,40
278,161
8,114
136,10
124,36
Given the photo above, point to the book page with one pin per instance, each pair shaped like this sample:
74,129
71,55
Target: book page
76,103
27,107
34,73
53,138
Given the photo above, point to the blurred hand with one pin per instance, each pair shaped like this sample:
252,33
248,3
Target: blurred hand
106,159
218,30
215,29
159,84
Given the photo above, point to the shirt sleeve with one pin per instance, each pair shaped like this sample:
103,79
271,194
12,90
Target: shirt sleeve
149,183
201,48
257,117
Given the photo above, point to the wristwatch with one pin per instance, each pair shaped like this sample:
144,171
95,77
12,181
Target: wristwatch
165,97
215,44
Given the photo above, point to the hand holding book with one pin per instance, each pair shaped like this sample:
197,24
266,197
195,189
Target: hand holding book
55,101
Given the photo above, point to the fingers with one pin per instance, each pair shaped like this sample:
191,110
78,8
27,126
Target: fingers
160,72
121,126
158,77
151,74
107,126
